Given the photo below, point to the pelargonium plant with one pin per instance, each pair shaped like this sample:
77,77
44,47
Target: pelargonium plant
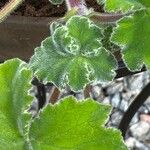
79,52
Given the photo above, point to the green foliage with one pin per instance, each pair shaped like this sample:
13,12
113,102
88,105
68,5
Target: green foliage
76,54
56,2
69,124
133,35
125,5
73,55
106,41
74,125
14,82
132,32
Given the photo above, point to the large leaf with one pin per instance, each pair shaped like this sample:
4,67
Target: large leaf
14,84
133,35
73,55
74,125
125,5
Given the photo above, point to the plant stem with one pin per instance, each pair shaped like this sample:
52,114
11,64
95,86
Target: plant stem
79,4
55,95
106,18
87,91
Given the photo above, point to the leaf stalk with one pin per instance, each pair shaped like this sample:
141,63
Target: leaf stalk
79,4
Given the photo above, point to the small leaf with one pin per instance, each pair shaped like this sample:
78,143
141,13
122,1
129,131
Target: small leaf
133,35
107,43
56,2
14,84
74,125
54,25
126,5
73,55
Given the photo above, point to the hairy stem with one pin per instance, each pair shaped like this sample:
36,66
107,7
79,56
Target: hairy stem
8,8
105,17
79,4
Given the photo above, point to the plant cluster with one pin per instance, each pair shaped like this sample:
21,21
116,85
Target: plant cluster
79,52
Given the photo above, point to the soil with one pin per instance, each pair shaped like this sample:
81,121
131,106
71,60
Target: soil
43,8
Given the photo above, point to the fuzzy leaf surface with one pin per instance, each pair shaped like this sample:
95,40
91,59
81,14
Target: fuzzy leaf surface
74,125
125,5
107,43
14,83
133,35
74,55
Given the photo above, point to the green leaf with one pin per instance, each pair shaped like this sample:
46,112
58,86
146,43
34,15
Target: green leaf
73,55
56,2
74,125
133,35
14,84
54,25
125,5
107,43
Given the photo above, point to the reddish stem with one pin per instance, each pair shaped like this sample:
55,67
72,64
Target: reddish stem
87,91
79,4
107,18
55,95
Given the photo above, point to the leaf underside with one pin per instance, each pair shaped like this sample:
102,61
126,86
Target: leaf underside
14,83
74,55
74,125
